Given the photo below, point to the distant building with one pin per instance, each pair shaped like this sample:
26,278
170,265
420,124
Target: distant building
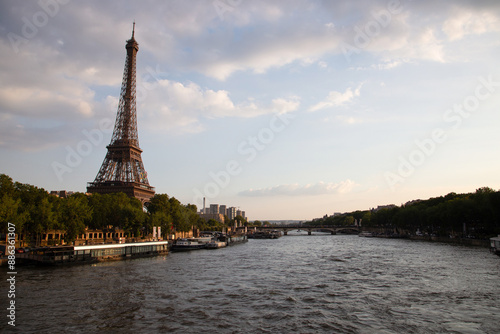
231,212
214,209
215,216
223,210
62,193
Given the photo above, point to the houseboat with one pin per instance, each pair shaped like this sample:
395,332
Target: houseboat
93,253
187,244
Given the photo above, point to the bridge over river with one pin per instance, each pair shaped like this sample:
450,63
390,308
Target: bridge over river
328,229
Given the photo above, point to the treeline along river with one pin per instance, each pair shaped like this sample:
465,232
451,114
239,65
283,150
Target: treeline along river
298,283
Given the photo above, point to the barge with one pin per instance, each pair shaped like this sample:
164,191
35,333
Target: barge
265,235
92,253
187,244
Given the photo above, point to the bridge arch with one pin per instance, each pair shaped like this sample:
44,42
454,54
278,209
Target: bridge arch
331,229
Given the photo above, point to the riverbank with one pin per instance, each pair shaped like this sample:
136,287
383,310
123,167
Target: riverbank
381,233
458,241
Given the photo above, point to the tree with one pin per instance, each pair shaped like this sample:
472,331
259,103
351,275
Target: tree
10,212
101,210
75,214
162,219
367,217
239,219
133,217
7,186
159,203
44,217
349,220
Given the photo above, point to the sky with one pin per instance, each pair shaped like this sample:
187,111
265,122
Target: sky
284,109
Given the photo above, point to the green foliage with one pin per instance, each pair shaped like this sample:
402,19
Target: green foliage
170,214
34,212
210,225
10,212
474,215
76,212
257,223
239,219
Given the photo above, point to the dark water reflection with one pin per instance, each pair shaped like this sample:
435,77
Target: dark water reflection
303,284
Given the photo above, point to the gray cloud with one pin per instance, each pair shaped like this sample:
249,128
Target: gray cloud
319,188
75,51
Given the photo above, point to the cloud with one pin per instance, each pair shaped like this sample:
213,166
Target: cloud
335,99
263,51
468,22
320,188
43,102
386,65
61,76
183,107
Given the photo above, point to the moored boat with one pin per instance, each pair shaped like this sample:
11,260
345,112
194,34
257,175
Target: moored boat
62,255
265,235
237,239
365,234
214,244
188,244
495,245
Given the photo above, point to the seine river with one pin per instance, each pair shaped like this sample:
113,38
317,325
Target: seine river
296,284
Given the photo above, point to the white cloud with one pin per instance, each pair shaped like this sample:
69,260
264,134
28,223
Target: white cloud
182,107
263,51
43,103
335,99
389,65
466,22
320,188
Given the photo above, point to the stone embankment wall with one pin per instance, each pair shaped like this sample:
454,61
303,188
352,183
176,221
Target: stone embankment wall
460,241
412,236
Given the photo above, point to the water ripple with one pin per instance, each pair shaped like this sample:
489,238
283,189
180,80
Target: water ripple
304,284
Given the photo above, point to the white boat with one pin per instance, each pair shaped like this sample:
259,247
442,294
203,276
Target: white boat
202,239
214,244
365,234
495,245
188,244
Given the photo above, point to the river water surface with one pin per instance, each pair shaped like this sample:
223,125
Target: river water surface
296,284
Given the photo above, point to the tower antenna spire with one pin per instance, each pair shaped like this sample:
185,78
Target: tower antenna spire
133,30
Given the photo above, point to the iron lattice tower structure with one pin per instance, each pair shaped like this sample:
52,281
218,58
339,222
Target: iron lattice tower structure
122,169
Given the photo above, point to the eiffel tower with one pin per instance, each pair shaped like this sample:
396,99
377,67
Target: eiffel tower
122,169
